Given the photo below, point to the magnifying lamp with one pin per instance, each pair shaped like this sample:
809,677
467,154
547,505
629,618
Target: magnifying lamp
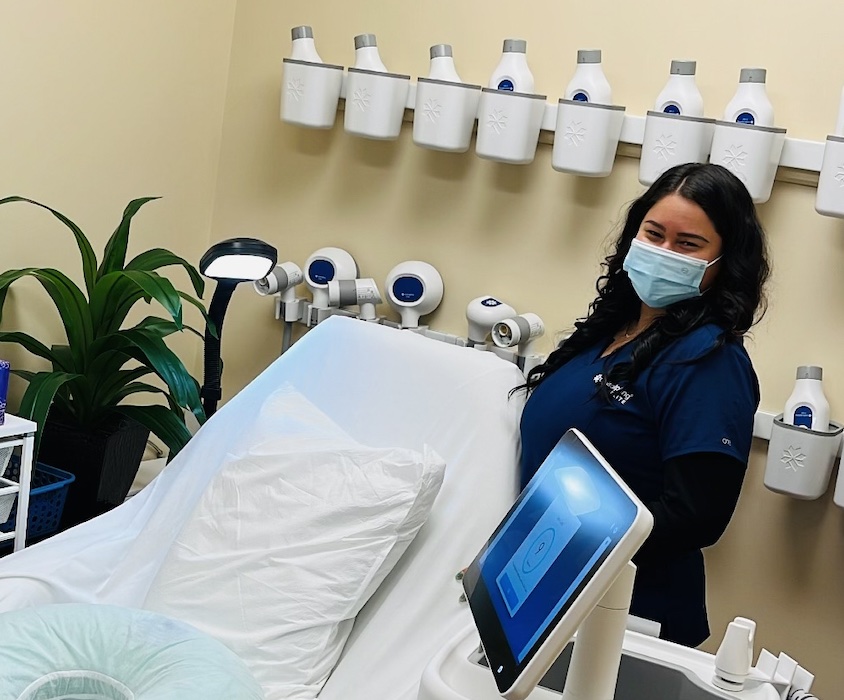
230,262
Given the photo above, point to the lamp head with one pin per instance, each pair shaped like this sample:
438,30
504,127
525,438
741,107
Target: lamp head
238,260
414,289
324,265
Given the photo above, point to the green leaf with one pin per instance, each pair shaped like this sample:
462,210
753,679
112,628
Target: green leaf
164,328
110,385
114,256
89,258
64,358
157,258
137,388
162,422
36,347
70,303
38,397
150,350
116,293
199,305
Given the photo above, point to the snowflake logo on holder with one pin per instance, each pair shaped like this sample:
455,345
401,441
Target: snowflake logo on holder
792,458
840,175
361,99
664,147
734,158
432,109
575,133
497,121
295,89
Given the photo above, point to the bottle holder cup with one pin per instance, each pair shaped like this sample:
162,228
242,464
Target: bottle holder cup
310,93
586,138
375,103
751,152
508,125
800,461
838,494
444,114
830,197
672,139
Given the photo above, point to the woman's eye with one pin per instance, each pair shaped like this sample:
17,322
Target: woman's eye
653,234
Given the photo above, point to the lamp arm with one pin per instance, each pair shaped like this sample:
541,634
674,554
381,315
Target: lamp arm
211,391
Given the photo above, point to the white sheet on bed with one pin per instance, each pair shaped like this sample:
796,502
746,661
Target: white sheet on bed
384,387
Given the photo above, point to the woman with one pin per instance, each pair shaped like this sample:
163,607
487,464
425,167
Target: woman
656,376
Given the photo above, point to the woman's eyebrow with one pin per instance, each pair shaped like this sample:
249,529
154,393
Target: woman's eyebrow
655,223
694,235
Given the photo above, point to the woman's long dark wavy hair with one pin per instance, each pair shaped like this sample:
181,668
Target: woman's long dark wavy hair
735,300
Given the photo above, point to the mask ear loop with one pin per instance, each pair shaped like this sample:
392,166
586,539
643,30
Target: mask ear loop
708,265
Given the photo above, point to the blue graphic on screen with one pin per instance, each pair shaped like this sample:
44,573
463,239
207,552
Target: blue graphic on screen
569,517
531,561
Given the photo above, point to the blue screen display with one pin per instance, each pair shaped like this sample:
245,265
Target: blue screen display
565,523
408,289
321,271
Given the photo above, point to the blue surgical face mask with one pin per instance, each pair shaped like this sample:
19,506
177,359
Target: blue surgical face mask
662,277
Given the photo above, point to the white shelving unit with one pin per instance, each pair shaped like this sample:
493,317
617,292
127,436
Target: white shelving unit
13,433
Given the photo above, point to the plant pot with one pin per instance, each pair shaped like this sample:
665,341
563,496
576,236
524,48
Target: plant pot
104,461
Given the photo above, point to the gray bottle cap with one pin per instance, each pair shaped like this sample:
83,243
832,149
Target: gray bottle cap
303,32
683,67
515,46
752,75
362,40
809,372
439,50
589,56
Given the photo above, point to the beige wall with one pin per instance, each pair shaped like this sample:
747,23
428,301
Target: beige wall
102,102
534,237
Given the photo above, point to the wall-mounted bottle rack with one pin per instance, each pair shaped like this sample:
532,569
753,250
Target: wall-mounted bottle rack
758,155
797,154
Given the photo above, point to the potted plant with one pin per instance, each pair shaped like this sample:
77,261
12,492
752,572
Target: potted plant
85,425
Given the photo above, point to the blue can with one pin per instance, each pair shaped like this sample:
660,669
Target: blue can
5,368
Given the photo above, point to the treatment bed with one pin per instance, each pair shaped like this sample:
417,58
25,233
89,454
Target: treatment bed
375,434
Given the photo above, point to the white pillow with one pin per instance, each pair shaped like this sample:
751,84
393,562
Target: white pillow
290,539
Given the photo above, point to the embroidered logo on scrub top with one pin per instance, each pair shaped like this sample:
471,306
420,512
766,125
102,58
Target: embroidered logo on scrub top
618,392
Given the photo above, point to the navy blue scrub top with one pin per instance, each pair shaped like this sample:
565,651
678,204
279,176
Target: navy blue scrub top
691,399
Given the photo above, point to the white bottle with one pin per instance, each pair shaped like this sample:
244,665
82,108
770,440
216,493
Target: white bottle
750,104
839,125
807,406
366,53
512,72
680,94
442,64
304,48
589,83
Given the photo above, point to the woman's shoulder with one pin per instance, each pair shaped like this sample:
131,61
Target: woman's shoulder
703,341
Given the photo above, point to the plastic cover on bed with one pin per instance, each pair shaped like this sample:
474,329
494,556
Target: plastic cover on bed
385,388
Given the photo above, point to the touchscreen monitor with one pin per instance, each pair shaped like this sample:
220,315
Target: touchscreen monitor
554,555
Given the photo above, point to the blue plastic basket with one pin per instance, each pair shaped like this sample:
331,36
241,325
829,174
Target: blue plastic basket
48,492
